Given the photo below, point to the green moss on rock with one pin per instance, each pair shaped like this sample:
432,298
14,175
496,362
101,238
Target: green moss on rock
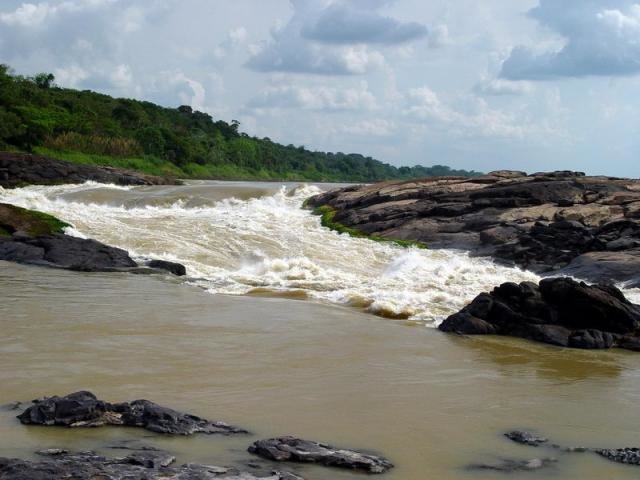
33,223
327,219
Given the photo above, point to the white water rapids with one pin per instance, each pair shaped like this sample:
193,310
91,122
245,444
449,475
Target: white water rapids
260,241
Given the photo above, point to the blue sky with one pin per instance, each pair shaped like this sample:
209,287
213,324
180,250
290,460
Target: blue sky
520,84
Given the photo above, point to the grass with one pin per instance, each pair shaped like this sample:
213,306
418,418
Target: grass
163,168
327,219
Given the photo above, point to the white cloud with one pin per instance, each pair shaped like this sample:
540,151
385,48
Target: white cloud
356,22
601,37
121,77
335,38
235,37
376,127
71,76
318,98
475,119
27,15
500,86
34,14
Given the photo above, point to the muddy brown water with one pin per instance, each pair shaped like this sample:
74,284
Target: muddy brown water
278,364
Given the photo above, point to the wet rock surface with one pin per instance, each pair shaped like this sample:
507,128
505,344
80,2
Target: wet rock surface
558,311
18,169
545,222
31,237
291,449
512,466
58,464
171,267
621,455
630,456
64,251
526,438
83,409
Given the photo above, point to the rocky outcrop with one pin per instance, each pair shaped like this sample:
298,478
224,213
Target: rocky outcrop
148,465
83,409
290,449
64,251
559,311
545,222
19,169
35,238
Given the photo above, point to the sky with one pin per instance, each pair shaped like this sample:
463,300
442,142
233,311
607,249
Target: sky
499,84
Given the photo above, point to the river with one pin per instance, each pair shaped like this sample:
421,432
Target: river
284,327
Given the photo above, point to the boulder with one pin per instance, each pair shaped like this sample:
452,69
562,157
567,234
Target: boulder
148,465
64,251
559,311
291,449
171,267
83,409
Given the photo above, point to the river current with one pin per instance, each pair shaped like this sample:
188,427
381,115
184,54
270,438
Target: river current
272,330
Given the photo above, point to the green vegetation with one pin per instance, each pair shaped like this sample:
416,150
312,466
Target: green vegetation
31,222
92,128
327,219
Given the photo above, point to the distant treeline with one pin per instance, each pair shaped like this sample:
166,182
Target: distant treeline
89,127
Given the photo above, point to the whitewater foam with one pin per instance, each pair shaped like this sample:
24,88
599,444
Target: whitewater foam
269,243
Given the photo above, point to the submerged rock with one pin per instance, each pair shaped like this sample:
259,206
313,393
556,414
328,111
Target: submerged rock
290,449
526,438
544,222
83,409
149,465
558,311
510,466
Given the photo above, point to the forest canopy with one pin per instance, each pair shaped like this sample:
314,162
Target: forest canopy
89,127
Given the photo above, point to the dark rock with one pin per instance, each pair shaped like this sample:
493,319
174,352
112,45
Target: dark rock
172,267
64,251
526,438
83,409
511,466
621,455
18,169
543,222
137,466
558,311
290,449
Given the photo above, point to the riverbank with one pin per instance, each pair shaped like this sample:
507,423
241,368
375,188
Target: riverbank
21,169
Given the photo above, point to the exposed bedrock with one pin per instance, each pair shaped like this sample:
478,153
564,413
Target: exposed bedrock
291,449
19,169
559,311
58,464
83,409
545,222
35,238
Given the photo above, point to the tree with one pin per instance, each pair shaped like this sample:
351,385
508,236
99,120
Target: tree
44,80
